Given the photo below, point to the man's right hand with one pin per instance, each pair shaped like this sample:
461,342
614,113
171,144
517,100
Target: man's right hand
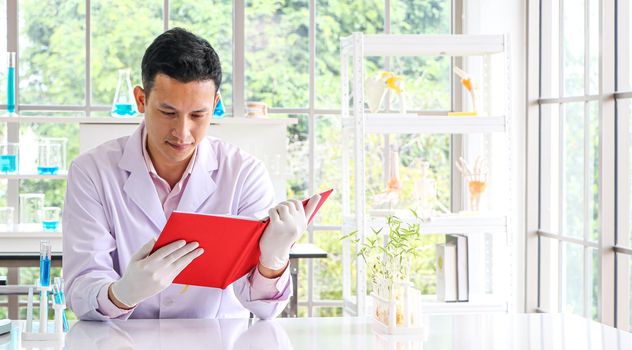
148,275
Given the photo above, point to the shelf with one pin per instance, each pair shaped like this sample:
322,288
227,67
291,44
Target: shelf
70,120
396,123
426,45
33,177
447,224
137,120
29,234
29,241
29,230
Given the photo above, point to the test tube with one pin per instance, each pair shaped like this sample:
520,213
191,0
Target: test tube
29,311
45,254
11,83
58,288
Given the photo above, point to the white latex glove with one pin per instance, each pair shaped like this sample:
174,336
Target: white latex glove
288,221
148,275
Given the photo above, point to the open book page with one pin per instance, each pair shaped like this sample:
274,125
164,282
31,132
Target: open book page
226,216
323,197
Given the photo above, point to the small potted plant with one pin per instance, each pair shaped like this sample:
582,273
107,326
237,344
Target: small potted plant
396,303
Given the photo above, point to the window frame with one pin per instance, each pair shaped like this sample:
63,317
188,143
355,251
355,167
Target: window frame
237,107
613,174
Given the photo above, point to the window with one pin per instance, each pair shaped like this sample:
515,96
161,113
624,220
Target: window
284,53
580,252
570,159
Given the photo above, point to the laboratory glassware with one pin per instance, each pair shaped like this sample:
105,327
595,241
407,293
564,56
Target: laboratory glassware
51,155
31,205
124,104
9,158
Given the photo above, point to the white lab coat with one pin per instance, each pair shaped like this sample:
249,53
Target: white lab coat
112,209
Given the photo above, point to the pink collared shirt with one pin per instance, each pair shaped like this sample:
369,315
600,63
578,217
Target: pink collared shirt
261,288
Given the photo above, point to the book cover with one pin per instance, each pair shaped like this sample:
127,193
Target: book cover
230,243
446,272
5,326
462,265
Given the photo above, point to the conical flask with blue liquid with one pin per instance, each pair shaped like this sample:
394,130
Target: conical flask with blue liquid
124,104
219,111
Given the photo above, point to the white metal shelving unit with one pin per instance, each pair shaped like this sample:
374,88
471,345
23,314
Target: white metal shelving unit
357,123
60,176
27,240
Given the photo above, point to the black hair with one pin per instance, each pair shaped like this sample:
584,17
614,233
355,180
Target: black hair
182,56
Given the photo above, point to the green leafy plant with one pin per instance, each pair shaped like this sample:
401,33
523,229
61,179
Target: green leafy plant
388,258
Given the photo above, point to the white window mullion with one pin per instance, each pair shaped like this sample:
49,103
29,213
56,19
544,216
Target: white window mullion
311,136
607,188
533,212
561,275
13,129
88,61
165,15
13,132
623,215
562,259
239,65
623,166
587,270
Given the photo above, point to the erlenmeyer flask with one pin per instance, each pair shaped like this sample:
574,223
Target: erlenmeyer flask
219,111
124,104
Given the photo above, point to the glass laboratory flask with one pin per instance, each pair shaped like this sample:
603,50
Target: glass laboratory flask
394,185
425,191
51,216
219,111
9,158
30,211
6,219
51,155
124,104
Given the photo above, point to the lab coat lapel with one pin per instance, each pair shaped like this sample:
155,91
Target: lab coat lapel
139,186
200,185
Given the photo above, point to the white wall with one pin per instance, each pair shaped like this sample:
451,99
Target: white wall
266,141
509,17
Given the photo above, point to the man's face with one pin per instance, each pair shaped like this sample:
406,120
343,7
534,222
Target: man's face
176,117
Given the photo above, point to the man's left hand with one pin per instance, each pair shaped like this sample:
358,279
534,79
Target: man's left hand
288,221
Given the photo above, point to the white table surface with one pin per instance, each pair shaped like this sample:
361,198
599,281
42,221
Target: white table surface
488,331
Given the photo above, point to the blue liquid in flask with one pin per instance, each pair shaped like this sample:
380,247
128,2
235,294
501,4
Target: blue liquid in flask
11,90
8,163
44,272
50,225
47,170
219,111
123,110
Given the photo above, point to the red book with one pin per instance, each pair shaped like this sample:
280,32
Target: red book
231,245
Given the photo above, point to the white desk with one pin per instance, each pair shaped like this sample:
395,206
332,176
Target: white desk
476,332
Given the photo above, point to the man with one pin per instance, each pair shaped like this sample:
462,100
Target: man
120,195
